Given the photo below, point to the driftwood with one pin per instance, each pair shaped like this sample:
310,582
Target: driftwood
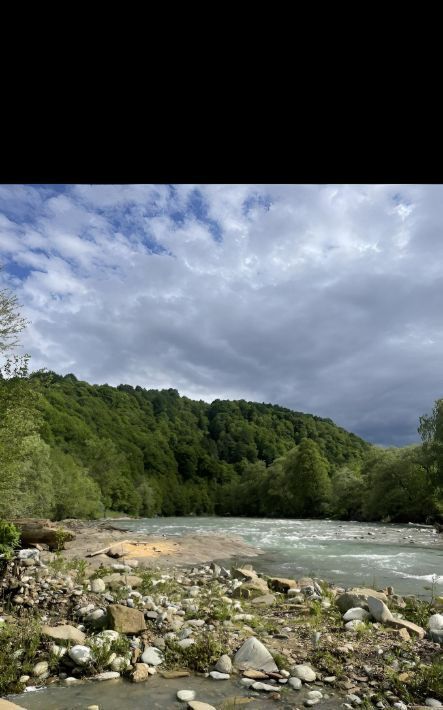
42,531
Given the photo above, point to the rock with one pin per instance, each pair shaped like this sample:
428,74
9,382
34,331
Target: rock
81,655
125,620
265,600
6,705
152,656
174,674
404,635
197,705
216,570
254,587
244,573
185,643
304,673
219,676
435,622
116,580
40,668
107,675
98,586
140,673
356,614
413,629
314,695
353,625
379,610
310,703
253,654
255,675
436,635
433,703
264,686
280,584
185,695
357,597
224,664
119,664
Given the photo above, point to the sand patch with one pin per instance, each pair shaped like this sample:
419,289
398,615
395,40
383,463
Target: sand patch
133,550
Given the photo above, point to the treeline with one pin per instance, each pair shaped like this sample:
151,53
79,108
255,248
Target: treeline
88,449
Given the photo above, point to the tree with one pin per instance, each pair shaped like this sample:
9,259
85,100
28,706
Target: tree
308,483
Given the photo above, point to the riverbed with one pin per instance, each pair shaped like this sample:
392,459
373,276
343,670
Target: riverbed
348,553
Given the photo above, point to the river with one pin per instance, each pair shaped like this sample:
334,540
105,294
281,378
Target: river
348,553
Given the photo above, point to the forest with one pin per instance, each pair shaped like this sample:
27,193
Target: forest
73,449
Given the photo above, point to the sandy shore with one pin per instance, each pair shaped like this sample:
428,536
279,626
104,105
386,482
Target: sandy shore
150,550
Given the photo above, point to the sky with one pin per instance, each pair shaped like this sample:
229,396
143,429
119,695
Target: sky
327,299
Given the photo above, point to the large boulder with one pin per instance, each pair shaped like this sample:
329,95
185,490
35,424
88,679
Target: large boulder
255,587
379,610
252,654
244,573
126,620
357,597
64,632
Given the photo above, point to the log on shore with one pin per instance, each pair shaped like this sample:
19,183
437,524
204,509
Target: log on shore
42,531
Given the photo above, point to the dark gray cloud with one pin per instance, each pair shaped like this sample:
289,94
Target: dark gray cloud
326,299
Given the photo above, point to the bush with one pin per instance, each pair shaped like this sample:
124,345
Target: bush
9,539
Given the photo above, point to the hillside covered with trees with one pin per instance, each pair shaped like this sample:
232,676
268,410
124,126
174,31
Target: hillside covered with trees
72,449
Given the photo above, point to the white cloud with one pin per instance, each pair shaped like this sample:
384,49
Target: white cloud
325,298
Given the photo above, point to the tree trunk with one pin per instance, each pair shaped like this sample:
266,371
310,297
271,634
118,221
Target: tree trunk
42,531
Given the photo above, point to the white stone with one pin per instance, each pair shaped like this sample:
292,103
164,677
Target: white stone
304,672
186,695
219,676
80,654
433,703
185,643
435,622
98,586
295,683
314,695
107,675
264,686
353,625
247,681
152,656
379,610
40,668
356,614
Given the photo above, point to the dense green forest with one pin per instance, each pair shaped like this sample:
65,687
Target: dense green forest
72,449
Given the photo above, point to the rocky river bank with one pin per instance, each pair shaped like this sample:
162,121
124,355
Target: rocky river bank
137,610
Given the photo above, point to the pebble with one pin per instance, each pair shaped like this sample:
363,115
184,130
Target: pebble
264,686
219,676
433,703
295,683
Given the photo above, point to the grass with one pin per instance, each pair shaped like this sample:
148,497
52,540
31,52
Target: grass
327,662
417,611
200,656
23,636
76,567
102,651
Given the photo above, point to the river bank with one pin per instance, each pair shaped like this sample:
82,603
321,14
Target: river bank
150,612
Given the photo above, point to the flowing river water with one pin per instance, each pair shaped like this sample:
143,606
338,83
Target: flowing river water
347,553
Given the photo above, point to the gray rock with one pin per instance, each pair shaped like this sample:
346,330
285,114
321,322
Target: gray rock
433,703
253,654
219,676
379,610
314,695
185,643
304,672
224,664
295,683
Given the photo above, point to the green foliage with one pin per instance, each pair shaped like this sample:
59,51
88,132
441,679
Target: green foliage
19,643
327,662
428,681
9,539
200,656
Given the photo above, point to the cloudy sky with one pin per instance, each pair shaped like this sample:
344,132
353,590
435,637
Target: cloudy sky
324,298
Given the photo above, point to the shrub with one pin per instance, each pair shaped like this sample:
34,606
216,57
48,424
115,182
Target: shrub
9,539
